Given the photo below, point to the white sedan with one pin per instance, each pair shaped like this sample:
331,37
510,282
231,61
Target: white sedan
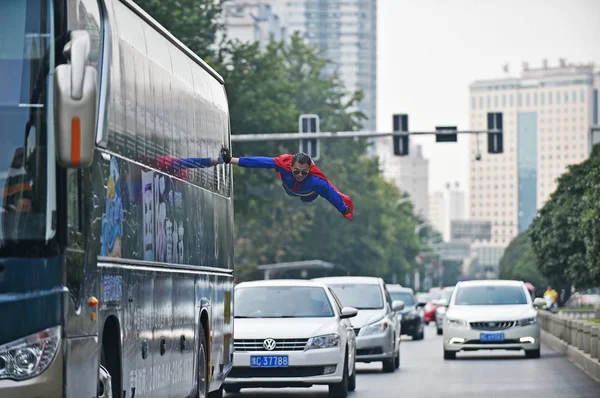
491,315
292,333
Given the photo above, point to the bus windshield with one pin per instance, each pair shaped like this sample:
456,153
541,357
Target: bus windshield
26,58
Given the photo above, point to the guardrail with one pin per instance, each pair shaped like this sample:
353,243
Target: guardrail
581,314
579,339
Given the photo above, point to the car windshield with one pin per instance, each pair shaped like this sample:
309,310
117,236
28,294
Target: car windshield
424,297
282,302
403,296
446,294
361,297
490,295
26,60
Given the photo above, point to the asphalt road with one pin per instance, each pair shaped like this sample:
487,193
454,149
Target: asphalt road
424,373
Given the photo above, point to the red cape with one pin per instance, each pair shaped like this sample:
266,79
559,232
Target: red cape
285,162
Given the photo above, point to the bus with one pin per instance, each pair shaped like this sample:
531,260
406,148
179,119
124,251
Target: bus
116,257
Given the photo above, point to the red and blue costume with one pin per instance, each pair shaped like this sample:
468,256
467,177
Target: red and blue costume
314,185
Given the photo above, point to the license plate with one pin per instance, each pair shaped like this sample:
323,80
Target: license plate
491,337
269,361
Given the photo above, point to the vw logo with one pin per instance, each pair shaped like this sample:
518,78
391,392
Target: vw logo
269,344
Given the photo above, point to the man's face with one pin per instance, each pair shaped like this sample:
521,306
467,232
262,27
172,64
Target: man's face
300,171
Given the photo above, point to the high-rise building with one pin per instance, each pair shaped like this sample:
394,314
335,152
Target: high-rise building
456,203
252,21
438,216
547,114
411,175
347,33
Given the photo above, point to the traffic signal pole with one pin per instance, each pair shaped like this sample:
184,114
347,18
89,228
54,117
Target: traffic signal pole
309,134
341,134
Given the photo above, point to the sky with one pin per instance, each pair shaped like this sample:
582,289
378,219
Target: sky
429,51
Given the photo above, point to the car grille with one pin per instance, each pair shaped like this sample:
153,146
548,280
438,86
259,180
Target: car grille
292,371
280,345
492,325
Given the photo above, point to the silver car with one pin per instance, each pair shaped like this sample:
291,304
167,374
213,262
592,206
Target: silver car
440,311
376,326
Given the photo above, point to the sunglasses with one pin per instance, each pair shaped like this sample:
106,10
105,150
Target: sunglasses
298,172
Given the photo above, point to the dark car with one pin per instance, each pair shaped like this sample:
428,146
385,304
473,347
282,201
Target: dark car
411,317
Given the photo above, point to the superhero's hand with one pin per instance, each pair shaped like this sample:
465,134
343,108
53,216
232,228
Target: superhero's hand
346,213
225,155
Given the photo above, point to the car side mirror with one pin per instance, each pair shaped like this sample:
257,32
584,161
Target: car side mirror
348,312
397,305
539,302
75,112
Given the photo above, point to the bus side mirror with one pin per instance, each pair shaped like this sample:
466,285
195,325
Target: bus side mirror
75,90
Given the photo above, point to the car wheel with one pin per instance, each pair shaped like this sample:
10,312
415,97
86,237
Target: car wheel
352,379
340,390
397,359
449,354
532,353
389,365
440,331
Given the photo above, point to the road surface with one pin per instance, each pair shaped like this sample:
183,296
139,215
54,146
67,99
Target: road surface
424,373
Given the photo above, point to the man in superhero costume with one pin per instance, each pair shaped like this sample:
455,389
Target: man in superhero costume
300,177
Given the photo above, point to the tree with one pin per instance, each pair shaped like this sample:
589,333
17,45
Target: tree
194,22
519,262
563,232
267,92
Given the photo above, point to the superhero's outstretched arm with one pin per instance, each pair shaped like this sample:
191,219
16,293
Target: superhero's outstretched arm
256,162
324,189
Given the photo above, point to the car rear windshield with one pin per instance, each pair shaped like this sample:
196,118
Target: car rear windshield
490,295
282,302
403,296
361,297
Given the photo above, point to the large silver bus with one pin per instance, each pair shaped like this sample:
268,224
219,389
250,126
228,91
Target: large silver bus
116,257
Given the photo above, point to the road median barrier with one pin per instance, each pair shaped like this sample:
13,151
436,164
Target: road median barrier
578,339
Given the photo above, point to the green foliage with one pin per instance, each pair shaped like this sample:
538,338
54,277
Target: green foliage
267,92
452,272
520,263
565,232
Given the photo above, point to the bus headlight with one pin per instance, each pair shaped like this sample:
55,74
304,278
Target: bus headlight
30,356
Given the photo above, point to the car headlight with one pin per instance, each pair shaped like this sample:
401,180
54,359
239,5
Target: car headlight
527,321
28,357
456,322
326,341
375,328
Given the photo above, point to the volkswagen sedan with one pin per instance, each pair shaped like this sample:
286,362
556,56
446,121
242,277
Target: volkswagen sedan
292,333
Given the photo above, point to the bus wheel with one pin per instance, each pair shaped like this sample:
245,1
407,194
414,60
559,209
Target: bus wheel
202,365
104,383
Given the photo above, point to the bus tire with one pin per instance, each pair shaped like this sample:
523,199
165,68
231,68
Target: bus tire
202,388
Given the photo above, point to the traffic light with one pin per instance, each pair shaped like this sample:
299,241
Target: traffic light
400,122
309,124
494,127
446,134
